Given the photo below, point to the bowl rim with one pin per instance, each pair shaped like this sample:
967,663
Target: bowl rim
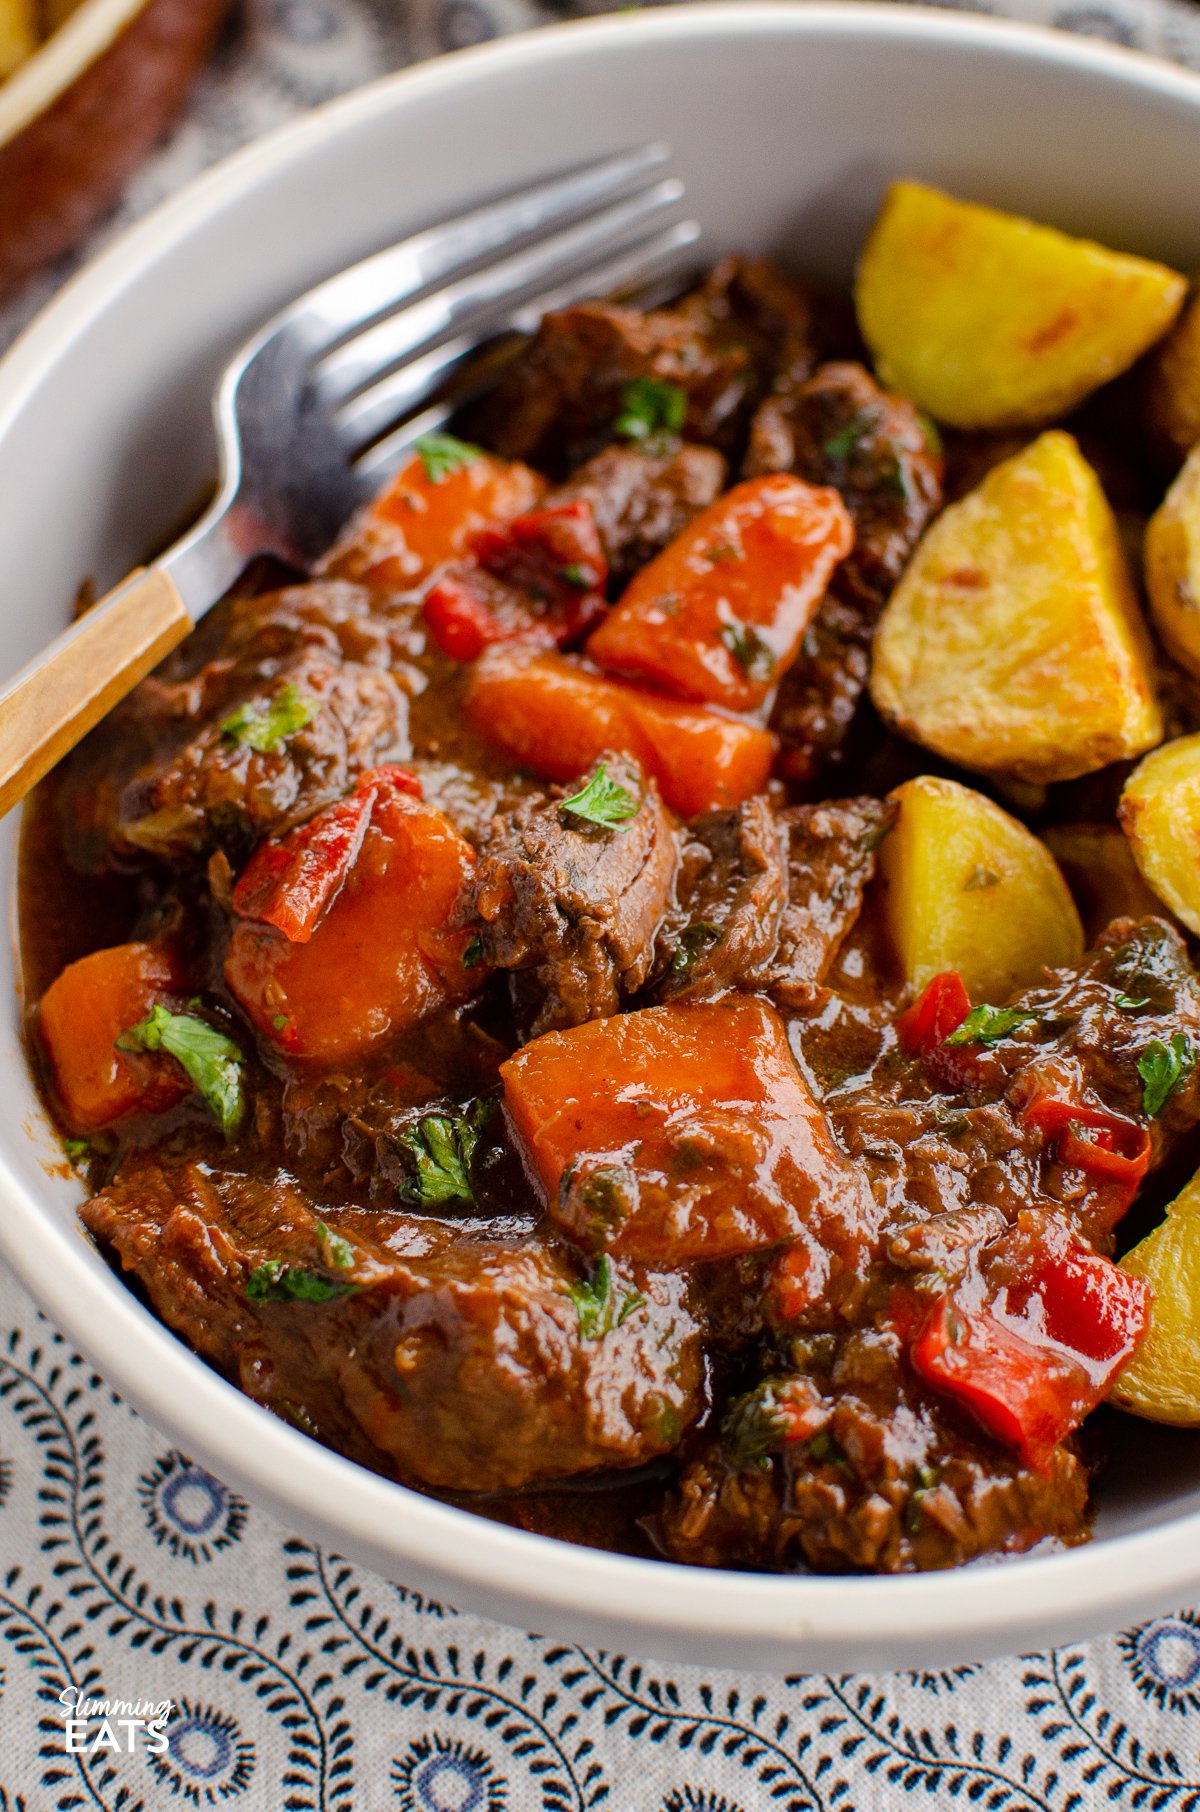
45,76
658,1604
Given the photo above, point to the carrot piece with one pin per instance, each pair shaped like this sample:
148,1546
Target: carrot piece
719,616
555,716
380,958
431,513
81,1016
683,1132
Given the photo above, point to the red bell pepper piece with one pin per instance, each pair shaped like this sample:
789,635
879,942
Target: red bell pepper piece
291,883
1031,1365
538,580
1105,1145
554,554
937,1011
462,621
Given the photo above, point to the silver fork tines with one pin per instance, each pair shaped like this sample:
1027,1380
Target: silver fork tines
317,407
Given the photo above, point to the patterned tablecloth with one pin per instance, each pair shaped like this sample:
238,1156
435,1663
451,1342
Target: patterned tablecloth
298,1681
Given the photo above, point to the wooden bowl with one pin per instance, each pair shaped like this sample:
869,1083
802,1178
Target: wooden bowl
79,114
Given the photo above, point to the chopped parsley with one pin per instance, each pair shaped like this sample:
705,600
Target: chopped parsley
443,454
441,1147
78,1150
274,1281
472,956
575,574
694,941
988,1025
933,438
748,648
755,1425
843,444
980,877
1128,1004
212,1062
602,801
266,727
609,1193
924,1480
336,1252
596,1305
1164,1068
650,407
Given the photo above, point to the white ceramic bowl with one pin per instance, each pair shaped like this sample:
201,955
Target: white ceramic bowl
786,123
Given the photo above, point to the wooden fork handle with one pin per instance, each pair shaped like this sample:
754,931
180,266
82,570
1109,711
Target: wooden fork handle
57,698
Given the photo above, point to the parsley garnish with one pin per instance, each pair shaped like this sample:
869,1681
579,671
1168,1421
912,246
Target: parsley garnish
1128,1004
264,729
274,1281
1163,1068
988,1025
77,1150
748,648
472,956
755,1426
929,428
842,444
442,454
596,1305
442,1147
925,1478
576,575
212,1062
694,941
650,407
602,801
336,1252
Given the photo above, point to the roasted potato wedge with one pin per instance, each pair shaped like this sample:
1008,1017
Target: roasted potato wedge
1162,1380
1098,866
1173,385
1014,644
1160,814
1172,556
967,887
990,321
18,33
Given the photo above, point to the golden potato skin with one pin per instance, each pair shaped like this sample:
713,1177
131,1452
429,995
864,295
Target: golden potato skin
18,33
967,887
988,320
1162,1380
1173,385
1172,557
1160,814
1014,644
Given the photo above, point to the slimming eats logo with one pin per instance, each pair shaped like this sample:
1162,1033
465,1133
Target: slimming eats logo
118,1726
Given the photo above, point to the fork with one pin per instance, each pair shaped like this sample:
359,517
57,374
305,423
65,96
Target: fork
317,409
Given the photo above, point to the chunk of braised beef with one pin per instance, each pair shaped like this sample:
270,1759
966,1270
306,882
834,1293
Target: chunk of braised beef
731,896
855,1467
641,497
302,694
841,428
460,1363
751,302
819,695
562,397
574,906
831,853
985,1124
